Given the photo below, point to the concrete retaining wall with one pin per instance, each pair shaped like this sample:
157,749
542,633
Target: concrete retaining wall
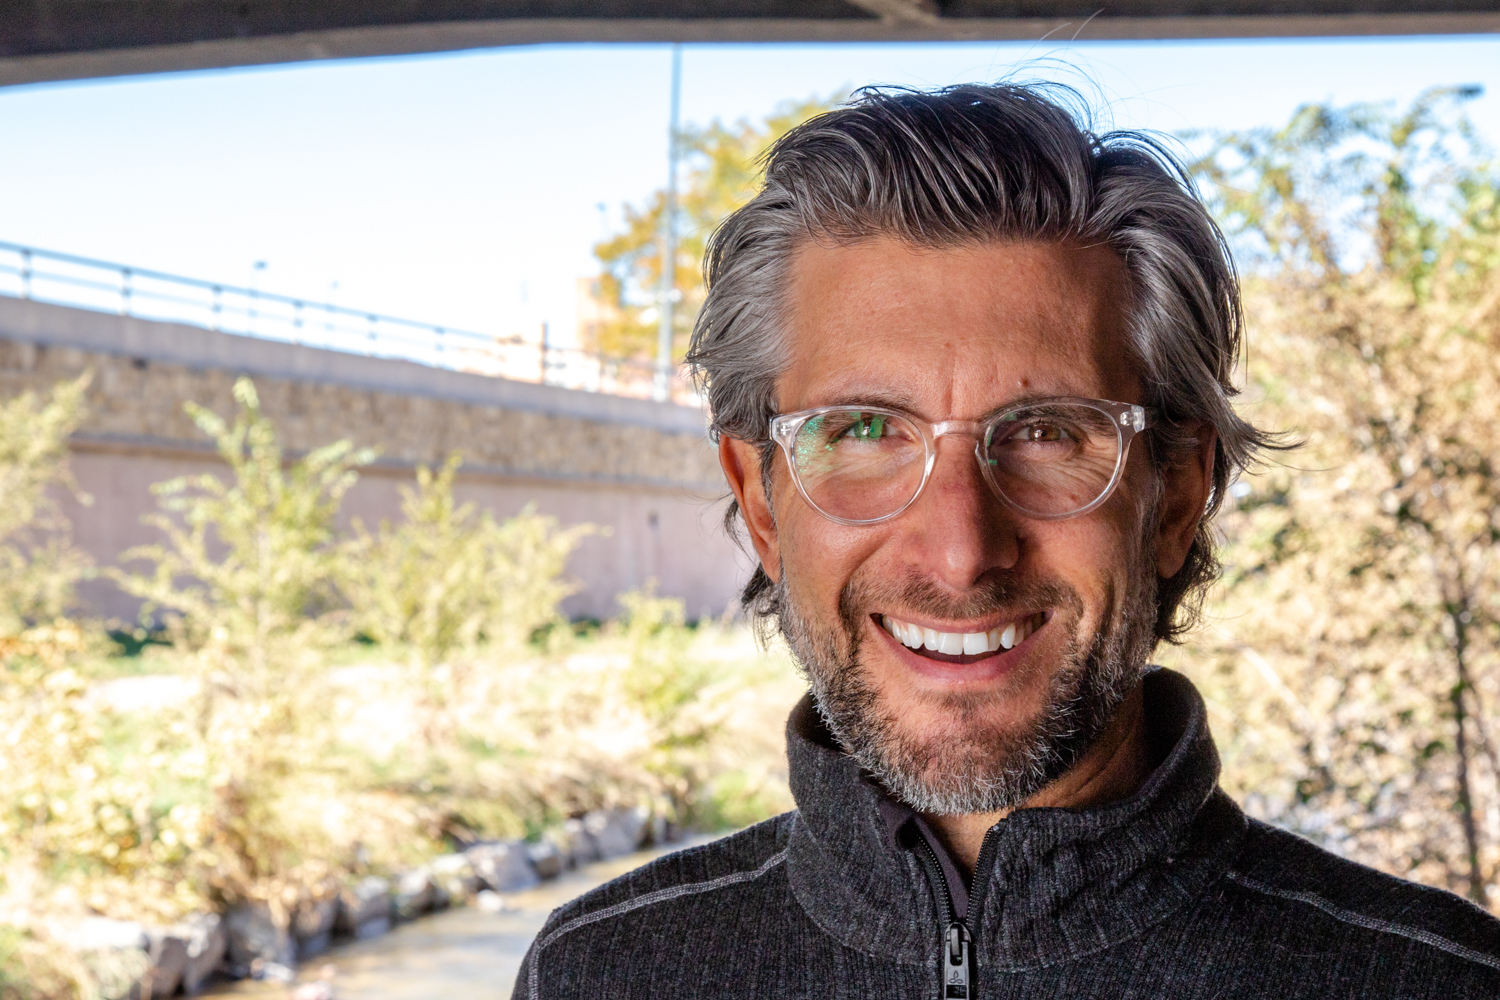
644,470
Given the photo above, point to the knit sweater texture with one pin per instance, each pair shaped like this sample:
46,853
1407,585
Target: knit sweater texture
1173,892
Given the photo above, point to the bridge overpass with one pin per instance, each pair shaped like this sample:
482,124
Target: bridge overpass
71,39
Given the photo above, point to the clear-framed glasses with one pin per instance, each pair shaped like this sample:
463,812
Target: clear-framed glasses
1048,459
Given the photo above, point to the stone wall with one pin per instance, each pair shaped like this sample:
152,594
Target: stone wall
643,470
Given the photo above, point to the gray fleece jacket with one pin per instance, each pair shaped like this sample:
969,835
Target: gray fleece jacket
1171,893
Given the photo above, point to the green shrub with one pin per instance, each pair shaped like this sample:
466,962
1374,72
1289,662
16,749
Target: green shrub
448,576
250,560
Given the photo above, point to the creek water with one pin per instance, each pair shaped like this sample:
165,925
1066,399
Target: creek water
461,952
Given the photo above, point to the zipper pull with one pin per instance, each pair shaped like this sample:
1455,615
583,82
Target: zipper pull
956,961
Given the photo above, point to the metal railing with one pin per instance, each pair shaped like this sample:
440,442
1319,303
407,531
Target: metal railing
85,283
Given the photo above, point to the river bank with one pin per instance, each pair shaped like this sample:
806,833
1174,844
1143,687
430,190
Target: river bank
465,951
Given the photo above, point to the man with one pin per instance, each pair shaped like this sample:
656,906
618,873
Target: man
970,372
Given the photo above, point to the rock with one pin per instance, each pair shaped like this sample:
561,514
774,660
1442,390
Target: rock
581,847
254,933
562,842
365,908
664,831
546,859
616,832
503,866
206,944
169,957
272,971
413,895
441,900
312,925
490,901
454,875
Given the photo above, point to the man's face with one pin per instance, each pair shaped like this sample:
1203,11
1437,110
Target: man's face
954,335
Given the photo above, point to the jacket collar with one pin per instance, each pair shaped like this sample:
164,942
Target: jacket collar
1064,882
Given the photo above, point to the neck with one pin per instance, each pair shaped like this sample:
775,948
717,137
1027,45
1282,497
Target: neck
1113,769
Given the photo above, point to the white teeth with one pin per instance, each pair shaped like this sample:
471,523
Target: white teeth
959,643
909,635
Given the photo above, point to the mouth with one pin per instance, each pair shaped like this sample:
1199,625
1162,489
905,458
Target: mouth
962,647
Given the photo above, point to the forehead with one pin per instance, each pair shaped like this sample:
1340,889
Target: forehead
954,333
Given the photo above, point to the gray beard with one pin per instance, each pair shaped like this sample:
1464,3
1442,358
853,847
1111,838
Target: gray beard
977,768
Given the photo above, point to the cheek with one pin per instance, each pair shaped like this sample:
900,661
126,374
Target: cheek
1092,555
819,557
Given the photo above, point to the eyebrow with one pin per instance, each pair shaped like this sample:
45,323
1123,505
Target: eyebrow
892,400
895,399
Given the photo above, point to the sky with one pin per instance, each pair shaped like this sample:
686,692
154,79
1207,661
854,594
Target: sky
468,189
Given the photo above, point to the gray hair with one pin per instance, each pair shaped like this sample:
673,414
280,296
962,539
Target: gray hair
972,164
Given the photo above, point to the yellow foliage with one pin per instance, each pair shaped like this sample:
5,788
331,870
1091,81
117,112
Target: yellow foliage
722,167
37,567
1356,665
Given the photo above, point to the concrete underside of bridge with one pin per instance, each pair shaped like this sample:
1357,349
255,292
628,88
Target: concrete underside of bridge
643,472
42,40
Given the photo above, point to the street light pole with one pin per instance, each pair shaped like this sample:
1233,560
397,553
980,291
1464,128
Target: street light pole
668,292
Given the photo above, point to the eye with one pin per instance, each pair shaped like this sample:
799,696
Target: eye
866,428
1044,433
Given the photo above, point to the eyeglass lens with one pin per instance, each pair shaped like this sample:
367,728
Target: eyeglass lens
1053,459
1050,460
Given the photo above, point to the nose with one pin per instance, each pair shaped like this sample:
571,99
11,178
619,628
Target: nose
958,530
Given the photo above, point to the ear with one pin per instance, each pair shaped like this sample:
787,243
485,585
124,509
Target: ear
740,461
1186,484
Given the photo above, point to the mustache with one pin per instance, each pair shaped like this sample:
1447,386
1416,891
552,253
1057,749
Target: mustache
989,596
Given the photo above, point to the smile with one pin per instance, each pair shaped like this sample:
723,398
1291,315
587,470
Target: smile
1001,637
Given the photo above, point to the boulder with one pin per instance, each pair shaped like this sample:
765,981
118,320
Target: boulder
546,859
312,925
454,875
413,895
616,832
581,849
504,866
168,950
254,934
206,945
663,831
365,908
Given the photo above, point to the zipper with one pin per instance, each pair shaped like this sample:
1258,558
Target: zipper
958,971
954,972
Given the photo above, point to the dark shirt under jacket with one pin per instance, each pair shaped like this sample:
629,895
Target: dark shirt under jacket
1171,893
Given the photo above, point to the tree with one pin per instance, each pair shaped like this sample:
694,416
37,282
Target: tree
722,172
1359,642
